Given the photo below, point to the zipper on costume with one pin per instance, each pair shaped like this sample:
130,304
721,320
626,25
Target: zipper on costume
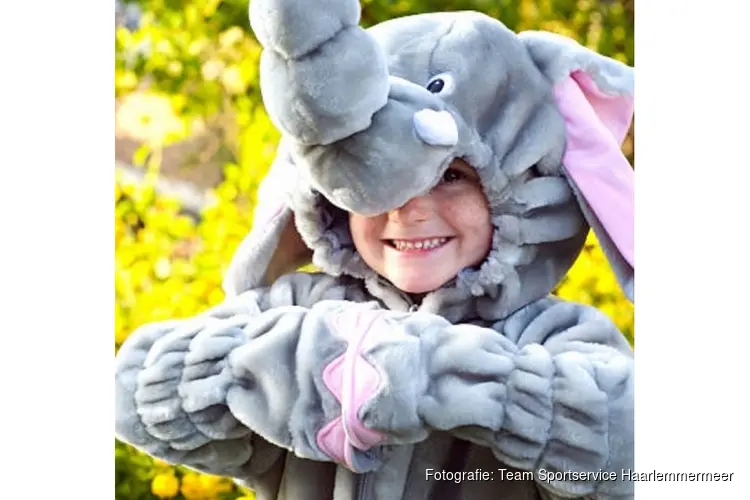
363,490
410,305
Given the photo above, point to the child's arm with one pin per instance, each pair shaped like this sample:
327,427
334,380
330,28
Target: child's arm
549,390
592,395
228,391
337,379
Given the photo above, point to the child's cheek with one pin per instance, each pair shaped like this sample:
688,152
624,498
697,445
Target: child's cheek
366,233
472,213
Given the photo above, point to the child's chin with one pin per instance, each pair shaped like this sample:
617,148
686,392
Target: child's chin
415,284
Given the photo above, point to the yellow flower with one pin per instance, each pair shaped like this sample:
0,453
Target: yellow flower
215,296
162,268
192,488
160,463
212,69
149,117
230,37
165,485
232,80
204,486
606,282
217,485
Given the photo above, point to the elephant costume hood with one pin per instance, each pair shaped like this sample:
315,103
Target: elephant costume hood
373,117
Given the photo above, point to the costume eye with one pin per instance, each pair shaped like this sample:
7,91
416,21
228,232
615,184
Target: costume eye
441,84
435,86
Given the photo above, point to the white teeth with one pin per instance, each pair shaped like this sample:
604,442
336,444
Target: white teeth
419,245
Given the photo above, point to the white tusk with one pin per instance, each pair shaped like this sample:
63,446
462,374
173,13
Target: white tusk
437,128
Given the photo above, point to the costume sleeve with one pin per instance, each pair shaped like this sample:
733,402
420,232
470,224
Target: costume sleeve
549,390
229,391
339,380
590,370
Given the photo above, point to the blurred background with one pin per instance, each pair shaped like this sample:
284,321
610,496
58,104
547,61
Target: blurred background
193,141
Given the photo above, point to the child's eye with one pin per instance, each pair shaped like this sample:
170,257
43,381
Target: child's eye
452,175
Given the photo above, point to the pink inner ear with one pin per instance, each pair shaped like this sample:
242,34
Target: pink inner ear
595,127
616,113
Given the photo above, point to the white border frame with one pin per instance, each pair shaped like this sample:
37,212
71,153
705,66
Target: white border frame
692,195
692,201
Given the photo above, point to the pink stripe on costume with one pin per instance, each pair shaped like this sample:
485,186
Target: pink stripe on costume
361,382
353,381
332,440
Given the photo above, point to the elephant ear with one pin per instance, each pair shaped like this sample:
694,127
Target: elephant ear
273,247
595,95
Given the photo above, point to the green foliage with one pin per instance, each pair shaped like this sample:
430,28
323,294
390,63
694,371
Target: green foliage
133,474
192,66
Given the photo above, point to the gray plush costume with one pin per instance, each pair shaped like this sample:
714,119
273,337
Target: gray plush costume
337,385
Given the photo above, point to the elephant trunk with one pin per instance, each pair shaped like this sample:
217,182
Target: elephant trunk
367,140
322,76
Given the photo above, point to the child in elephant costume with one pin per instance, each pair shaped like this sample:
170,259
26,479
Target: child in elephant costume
443,173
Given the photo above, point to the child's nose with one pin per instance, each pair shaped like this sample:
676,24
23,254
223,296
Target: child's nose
415,210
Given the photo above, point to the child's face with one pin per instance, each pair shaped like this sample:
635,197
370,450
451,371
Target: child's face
425,243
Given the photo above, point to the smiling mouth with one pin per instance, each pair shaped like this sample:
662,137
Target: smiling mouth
421,245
